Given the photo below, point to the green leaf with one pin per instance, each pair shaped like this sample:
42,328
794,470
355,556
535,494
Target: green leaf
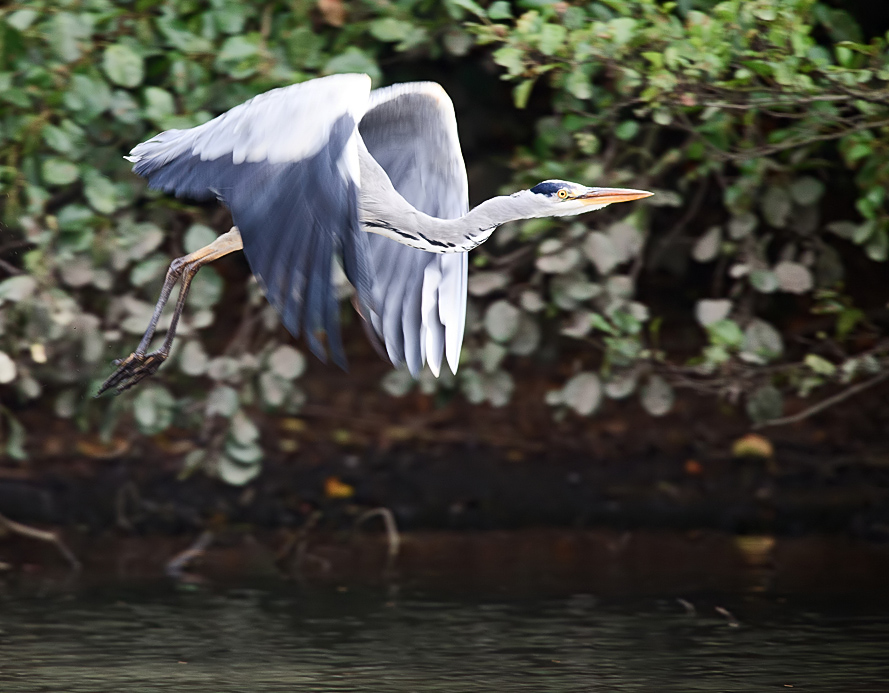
600,323
222,401
725,333
390,30
88,96
123,65
287,362
762,342
235,473
877,247
64,138
657,396
765,404
627,130
819,364
706,248
776,206
578,84
124,107
794,277
15,441
621,384
22,19
468,5
101,193
502,321
58,171
153,409
17,288
197,237
806,190
583,393
243,431
148,270
512,59
7,368
521,93
709,311
398,383
551,38
206,289
764,281
231,16
353,59
742,225
68,34
193,359
273,389
499,10
159,104
76,218
847,320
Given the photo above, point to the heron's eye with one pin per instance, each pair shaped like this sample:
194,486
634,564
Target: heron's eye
562,194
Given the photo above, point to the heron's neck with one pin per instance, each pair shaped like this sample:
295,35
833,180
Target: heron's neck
391,216
383,211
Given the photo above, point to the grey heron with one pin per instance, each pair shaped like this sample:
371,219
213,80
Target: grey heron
330,168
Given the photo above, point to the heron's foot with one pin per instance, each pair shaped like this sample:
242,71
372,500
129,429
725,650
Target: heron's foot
131,370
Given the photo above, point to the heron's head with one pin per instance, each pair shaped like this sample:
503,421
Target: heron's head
560,198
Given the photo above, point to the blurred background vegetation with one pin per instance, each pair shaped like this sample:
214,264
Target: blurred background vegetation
757,274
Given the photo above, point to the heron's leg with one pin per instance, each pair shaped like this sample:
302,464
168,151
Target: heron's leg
139,365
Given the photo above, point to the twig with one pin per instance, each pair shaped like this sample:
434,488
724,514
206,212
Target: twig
41,535
728,615
176,566
10,269
295,553
391,528
824,404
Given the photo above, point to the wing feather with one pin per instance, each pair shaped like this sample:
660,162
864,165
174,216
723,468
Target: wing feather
283,163
411,130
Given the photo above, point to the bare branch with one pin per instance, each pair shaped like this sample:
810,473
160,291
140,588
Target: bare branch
829,402
41,535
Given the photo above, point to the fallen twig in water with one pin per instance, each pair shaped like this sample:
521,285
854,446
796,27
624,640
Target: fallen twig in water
688,606
729,616
392,535
176,566
295,552
41,535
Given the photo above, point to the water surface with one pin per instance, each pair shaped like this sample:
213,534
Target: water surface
406,634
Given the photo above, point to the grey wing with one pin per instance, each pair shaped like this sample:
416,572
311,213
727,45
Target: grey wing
286,165
420,297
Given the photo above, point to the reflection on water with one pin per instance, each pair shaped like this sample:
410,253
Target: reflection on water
296,638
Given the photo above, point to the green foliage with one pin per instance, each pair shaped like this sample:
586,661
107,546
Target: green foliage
84,247
692,100
760,124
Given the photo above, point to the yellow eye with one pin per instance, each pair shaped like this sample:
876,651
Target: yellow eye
562,194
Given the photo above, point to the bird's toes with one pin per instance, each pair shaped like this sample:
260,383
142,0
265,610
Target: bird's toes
131,370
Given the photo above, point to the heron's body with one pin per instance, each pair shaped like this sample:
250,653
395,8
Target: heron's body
329,168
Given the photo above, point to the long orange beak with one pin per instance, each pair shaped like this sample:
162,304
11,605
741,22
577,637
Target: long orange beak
607,196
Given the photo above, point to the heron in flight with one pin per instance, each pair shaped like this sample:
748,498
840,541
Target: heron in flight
329,168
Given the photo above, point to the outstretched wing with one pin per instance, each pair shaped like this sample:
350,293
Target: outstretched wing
286,164
419,297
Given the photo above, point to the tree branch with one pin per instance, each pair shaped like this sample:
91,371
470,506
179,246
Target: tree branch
824,404
41,535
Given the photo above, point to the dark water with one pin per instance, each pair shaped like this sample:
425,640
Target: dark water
593,611
302,639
